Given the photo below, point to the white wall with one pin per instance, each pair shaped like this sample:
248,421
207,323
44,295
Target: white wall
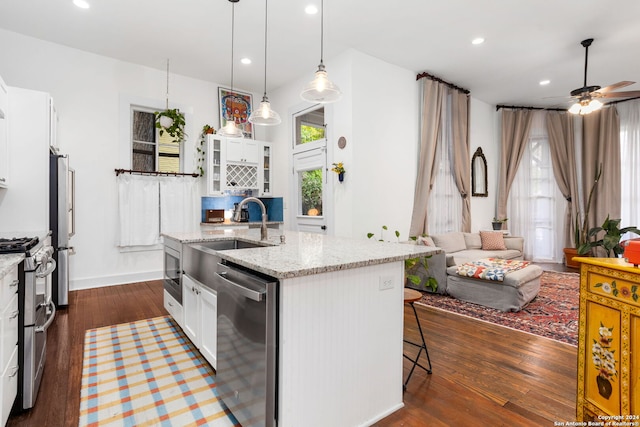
87,89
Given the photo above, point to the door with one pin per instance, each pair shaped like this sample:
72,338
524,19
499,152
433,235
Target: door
310,186
190,309
208,325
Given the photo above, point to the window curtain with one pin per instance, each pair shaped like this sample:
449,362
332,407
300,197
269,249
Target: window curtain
431,112
629,113
150,205
179,210
515,132
441,201
139,217
534,197
444,209
601,146
562,148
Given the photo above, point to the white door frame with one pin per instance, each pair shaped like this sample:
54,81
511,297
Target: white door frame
327,190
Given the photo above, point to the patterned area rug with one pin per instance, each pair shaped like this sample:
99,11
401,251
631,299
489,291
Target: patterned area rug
147,373
552,314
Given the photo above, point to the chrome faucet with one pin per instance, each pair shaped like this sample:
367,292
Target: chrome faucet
263,227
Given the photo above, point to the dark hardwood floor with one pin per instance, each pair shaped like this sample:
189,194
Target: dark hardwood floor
482,374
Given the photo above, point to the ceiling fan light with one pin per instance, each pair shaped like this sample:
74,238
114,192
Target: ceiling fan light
321,89
264,115
231,130
575,108
595,105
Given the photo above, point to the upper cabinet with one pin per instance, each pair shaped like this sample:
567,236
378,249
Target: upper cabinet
4,139
243,151
238,164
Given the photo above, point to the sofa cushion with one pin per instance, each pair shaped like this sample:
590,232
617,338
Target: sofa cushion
492,240
450,242
473,240
476,254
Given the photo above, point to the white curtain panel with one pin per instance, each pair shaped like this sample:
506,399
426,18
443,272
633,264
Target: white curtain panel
139,217
629,113
535,205
445,204
179,204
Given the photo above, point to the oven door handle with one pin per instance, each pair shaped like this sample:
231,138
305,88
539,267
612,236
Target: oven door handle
49,321
52,266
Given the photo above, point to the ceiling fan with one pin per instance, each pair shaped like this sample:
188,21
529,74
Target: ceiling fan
587,96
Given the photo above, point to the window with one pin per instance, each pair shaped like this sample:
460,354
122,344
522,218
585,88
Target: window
310,126
150,151
629,113
534,199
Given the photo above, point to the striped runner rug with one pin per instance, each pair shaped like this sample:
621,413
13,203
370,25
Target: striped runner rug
147,373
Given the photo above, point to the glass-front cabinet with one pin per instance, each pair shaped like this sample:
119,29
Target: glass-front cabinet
265,176
236,164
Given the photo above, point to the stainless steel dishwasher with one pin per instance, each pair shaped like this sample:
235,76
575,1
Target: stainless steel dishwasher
247,344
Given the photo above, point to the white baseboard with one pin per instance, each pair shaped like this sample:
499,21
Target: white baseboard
120,279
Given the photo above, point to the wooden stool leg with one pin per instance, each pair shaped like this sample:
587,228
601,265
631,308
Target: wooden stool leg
422,347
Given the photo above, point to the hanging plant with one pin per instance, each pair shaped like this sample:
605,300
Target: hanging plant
200,148
175,129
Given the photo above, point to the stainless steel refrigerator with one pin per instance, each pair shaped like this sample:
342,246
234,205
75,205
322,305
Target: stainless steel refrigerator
61,221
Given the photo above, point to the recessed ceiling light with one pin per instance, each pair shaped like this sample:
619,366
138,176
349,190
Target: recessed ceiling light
82,4
477,40
311,9
246,61
544,82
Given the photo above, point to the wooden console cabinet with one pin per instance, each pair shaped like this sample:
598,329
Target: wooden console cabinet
608,360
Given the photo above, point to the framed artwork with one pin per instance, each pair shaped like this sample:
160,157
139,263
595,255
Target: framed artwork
236,106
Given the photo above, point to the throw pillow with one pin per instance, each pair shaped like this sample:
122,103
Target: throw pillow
425,240
492,241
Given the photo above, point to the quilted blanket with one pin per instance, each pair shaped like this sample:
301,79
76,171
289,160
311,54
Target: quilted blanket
491,268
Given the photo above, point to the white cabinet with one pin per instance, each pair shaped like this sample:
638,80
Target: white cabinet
243,151
174,308
8,342
199,305
237,164
4,135
265,169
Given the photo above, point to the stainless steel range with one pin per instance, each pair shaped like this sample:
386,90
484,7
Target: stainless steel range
37,311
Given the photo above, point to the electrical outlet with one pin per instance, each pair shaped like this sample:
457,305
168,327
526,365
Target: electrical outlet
386,282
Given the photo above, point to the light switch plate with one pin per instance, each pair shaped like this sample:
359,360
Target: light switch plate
386,282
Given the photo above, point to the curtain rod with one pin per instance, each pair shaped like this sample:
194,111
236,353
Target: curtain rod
518,107
119,171
451,85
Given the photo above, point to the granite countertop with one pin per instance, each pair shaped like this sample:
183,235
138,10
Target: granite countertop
8,261
238,224
305,253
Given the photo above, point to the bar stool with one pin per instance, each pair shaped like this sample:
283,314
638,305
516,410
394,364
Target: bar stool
411,296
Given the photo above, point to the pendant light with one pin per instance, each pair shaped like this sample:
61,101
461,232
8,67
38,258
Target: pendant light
321,89
264,115
230,129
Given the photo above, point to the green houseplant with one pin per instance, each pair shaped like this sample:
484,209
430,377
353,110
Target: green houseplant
498,223
172,122
201,148
412,265
609,241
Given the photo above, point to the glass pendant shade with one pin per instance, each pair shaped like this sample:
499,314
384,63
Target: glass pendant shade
264,115
231,130
585,106
321,89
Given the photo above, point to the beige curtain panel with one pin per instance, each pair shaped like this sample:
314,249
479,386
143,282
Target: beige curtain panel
515,133
563,159
461,157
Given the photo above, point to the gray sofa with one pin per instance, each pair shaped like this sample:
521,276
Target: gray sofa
460,248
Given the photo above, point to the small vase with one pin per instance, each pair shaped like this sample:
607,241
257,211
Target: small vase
604,387
341,176
497,225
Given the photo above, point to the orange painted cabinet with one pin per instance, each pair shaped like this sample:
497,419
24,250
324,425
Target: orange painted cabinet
608,374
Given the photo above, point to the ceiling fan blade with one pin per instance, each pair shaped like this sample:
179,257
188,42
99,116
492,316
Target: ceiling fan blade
627,94
614,86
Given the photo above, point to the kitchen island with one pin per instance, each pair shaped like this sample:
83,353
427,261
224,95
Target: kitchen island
340,322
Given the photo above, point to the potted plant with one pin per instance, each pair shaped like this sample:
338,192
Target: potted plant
200,148
339,169
609,241
580,235
412,266
498,223
172,122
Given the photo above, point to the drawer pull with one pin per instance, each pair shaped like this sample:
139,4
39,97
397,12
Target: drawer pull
14,315
14,283
170,303
14,373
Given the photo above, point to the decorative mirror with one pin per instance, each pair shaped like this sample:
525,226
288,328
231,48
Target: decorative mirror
479,174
